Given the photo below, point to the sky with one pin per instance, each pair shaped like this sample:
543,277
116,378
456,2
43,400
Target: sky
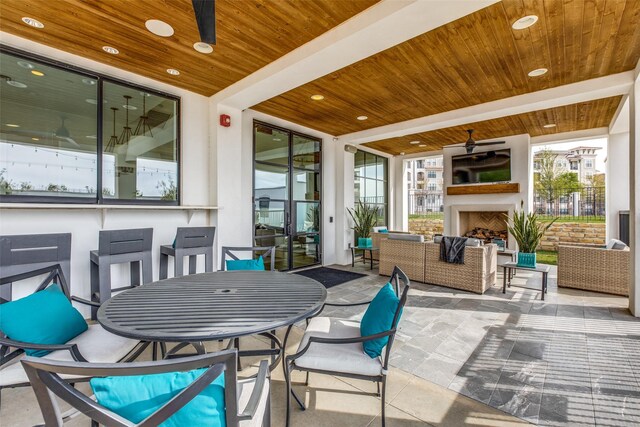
601,155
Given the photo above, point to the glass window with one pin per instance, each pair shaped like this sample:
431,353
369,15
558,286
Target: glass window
48,143
588,163
139,135
370,182
49,139
431,174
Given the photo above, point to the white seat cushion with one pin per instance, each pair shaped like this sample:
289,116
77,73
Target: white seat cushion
95,344
345,358
245,388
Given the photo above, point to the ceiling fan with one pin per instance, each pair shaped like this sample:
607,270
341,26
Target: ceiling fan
205,11
471,144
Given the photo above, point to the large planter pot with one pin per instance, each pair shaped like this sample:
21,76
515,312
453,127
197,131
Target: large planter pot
526,260
364,242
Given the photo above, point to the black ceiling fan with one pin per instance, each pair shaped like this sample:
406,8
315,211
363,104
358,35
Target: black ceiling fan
205,11
471,144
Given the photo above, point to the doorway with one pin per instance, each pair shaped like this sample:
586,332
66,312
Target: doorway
287,195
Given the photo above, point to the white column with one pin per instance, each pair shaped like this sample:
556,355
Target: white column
617,181
398,194
634,200
344,199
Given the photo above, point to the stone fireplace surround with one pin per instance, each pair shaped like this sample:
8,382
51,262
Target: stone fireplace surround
465,217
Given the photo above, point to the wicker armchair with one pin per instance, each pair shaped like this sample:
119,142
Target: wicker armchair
477,274
594,269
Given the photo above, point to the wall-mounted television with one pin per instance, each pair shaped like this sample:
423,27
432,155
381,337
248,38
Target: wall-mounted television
484,167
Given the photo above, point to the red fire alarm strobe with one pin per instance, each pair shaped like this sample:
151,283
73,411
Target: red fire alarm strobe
225,120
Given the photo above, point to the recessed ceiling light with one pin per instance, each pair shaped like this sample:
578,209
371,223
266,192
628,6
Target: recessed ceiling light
550,125
25,64
32,22
11,125
16,84
92,136
37,73
362,117
422,145
203,47
35,139
159,28
414,142
524,22
317,97
402,153
538,72
129,107
111,50
91,101
89,82
173,71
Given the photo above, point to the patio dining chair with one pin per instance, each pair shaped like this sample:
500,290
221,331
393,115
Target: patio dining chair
191,242
147,394
263,251
48,312
342,347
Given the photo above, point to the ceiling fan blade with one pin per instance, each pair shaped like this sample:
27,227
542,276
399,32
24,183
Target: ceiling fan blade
454,146
491,143
206,18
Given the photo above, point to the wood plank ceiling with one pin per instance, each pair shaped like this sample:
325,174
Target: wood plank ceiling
251,34
473,60
585,115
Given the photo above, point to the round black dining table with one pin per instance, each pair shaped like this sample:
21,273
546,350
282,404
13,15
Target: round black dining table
212,306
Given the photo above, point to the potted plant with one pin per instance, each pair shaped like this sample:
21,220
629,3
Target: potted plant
364,218
527,230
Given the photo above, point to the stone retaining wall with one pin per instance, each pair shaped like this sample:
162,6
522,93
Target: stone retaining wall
560,232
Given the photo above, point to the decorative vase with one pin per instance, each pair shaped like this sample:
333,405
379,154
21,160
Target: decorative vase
364,242
526,259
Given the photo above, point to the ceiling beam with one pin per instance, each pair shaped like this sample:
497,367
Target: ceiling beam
383,25
587,90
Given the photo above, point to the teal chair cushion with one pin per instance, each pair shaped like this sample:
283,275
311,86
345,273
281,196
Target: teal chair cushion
379,318
245,264
383,230
44,317
138,396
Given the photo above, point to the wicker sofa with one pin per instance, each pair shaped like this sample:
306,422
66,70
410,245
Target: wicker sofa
421,262
594,269
376,238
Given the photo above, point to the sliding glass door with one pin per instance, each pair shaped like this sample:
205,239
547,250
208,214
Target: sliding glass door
287,195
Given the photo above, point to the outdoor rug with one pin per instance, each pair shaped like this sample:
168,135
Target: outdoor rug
330,277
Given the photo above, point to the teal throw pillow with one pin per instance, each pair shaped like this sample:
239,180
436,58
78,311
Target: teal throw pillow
379,318
138,396
44,317
245,264
383,230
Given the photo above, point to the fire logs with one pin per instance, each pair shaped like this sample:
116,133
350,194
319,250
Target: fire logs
486,234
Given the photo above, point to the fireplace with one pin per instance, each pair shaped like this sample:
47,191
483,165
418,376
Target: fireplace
482,221
484,225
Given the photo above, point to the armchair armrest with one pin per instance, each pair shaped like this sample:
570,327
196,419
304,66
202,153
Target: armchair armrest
347,304
72,348
85,301
254,400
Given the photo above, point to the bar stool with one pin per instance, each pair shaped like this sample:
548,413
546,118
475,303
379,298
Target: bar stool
118,247
191,242
28,252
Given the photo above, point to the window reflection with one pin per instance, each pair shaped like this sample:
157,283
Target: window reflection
47,130
140,145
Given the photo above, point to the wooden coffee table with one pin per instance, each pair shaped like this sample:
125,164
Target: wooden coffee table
508,267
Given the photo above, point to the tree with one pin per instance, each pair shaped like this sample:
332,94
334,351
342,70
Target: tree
5,184
551,182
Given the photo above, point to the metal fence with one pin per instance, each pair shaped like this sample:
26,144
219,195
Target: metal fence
588,203
426,203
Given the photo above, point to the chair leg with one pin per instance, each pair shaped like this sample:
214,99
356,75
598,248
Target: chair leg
95,289
147,269
383,399
134,267
164,266
104,281
208,261
193,262
306,380
178,262
378,384
236,345
287,379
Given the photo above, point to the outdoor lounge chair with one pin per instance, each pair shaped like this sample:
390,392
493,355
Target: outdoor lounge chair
245,402
334,346
93,345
